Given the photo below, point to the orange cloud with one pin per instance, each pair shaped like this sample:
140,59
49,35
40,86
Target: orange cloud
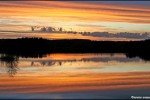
66,83
77,11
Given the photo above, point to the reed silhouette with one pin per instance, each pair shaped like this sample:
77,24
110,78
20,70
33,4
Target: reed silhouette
38,47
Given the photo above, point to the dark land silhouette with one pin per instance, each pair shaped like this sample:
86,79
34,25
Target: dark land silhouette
38,47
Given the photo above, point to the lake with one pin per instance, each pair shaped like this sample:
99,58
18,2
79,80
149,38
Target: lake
74,76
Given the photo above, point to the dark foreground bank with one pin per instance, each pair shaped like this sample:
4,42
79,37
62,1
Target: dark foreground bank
36,47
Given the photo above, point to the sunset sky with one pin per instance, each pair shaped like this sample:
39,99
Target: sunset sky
111,16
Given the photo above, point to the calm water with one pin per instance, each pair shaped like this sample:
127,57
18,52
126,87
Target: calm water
65,76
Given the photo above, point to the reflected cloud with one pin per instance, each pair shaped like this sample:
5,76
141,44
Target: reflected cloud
62,59
85,82
43,63
85,61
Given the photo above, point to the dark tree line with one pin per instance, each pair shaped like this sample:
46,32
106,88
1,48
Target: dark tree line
38,47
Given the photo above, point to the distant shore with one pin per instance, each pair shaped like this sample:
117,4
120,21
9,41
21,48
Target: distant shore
38,46
57,36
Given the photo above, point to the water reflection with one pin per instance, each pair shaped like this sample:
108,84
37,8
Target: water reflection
80,75
43,63
11,62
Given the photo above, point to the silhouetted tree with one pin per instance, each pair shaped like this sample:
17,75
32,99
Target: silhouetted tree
43,29
32,28
60,29
49,29
11,63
